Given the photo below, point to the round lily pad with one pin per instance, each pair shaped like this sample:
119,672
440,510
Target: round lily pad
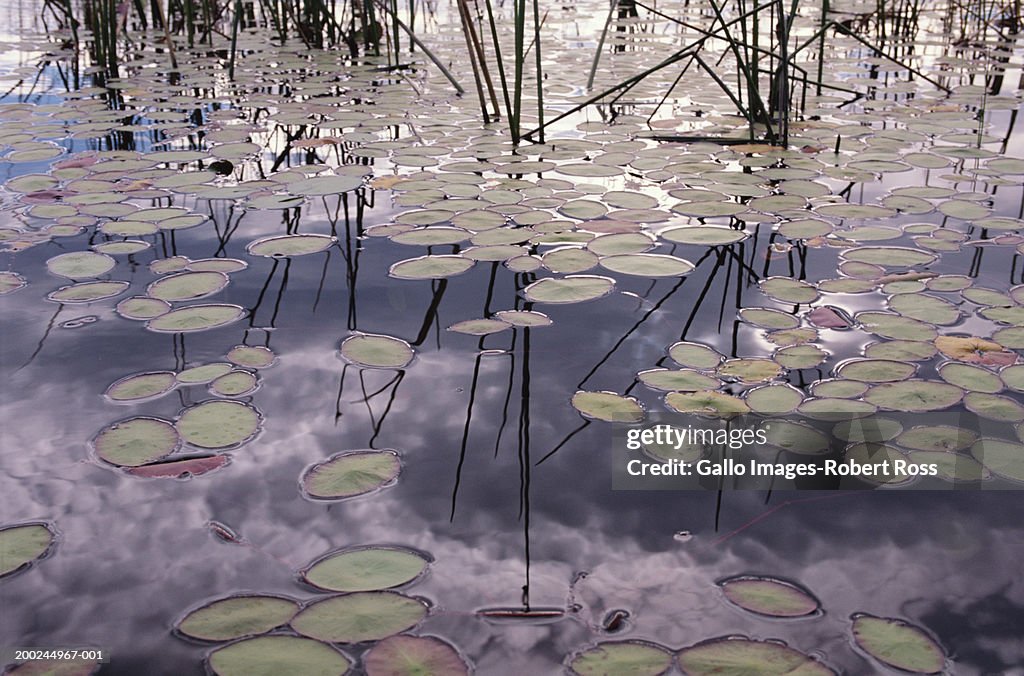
251,356
136,441
122,248
708,403
994,407
647,265
608,406
196,318
937,438
774,399
739,657
187,286
636,658
526,318
404,655
571,289
359,617
925,308
680,380
770,597
901,350
433,236
365,569
22,544
234,384
842,389
898,644
237,616
876,370
970,378
705,235
349,474
80,264
914,395
788,290
87,292
694,355
871,429
285,246
1002,457
479,327
430,267
218,424
891,325
800,356
205,373
142,386
376,351
275,655
750,370
826,408
10,282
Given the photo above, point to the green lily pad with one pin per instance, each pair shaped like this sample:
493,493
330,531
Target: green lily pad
800,356
196,318
770,597
365,569
234,384
432,236
898,644
1013,377
1002,457
22,544
607,406
901,350
376,351
925,308
647,265
142,386
525,318
704,235
788,290
136,441
80,264
251,356
218,424
11,282
359,617
951,466
614,658
225,265
123,248
767,318
620,243
937,438
914,395
708,403
286,246
694,355
205,373
237,616
876,370
571,289
681,380
276,655
87,292
842,389
187,286
349,474
970,378
479,327
404,655
994,407
744,657
430,267
774,399
889,256
750,370
891,325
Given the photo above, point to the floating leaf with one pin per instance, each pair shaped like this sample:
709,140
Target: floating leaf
346,475
869,429
742,657
788,290
1002,457
974,350
914,395
901,350
751,370
571,289
694,355
80,264
205,373
237,616
937,438
10,282
970,378
681,380
795,437
876,463
647,265
613,658
365,569
142,386
218,424
774,399
703,235
430,267
767,596
433,236
608,406
828,317
22,544
87,292
898,644
843,389
404,655
273,655
479,327
876,370
526,318
136,441
234,384
994,407
800,356
285,246
251,356
196,318
187,286
709,404
376,351
925,308
890,325
186,467
359,617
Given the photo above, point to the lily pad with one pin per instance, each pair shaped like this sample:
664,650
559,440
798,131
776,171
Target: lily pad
774,399
770,597
750,370
901,350
404,655
365,569
994,407
205,373
10,282
87,292
142,386
22,544
800,356
286,246
196,318
891,325
607,406
218,424
136,441
708,403
925,308
376,351
898,644
694,355
647,265
795,437
80,264
970,378
937,438
681,380
234,384
788,290
352,473
742,657
1002,457
187,286
975,350
237,616
613,658
703,235
479,327
275,655
914,395
359,617
570,289
876,370
430,267
525,318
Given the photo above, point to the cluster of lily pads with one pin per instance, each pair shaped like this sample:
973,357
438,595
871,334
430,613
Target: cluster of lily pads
363,613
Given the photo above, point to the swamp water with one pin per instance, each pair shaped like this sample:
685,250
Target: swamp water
352,417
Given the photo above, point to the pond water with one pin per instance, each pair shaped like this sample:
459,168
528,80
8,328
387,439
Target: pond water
471,417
